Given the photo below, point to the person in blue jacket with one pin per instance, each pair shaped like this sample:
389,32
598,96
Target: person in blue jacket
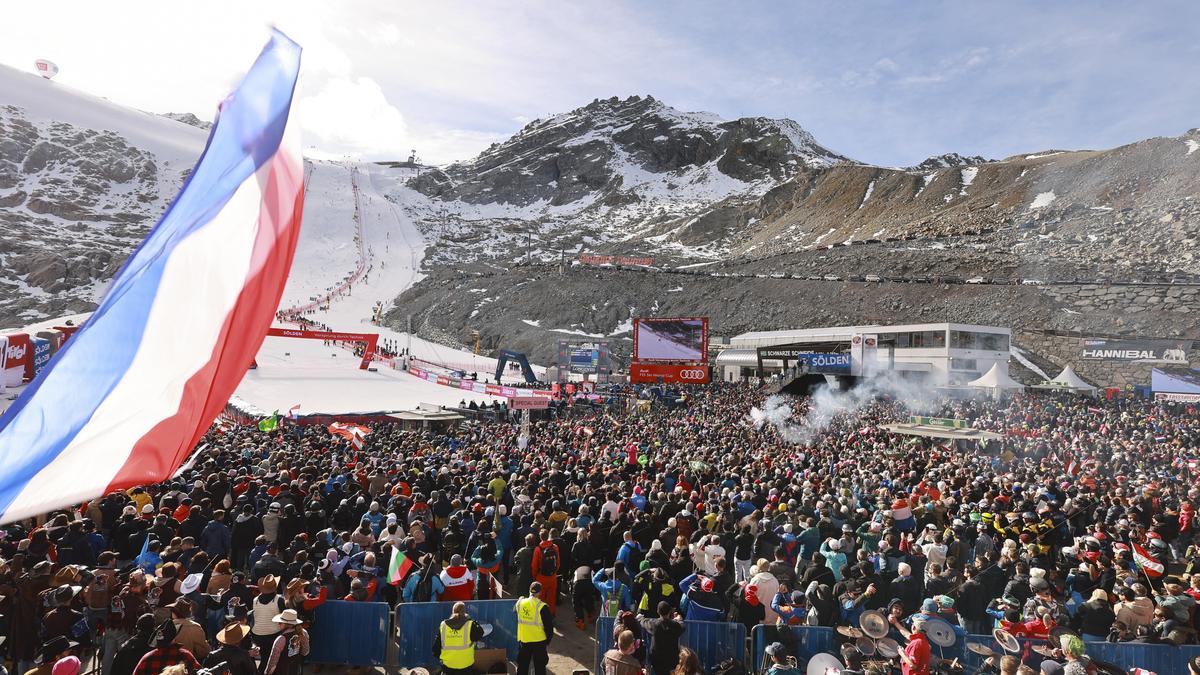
794,610
701,601
615,595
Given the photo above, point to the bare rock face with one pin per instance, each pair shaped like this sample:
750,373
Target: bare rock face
72,201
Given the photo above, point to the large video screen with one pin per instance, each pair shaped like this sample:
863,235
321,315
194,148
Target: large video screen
684,339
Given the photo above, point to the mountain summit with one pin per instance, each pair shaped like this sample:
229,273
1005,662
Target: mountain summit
625,150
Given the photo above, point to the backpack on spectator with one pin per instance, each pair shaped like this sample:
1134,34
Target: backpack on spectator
549,563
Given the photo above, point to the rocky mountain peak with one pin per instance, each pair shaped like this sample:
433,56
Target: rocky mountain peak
616,151
189,119
948,160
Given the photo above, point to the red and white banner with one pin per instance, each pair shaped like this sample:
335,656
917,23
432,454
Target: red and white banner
18,353
467,384
669,373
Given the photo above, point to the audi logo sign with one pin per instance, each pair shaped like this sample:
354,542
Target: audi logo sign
683,373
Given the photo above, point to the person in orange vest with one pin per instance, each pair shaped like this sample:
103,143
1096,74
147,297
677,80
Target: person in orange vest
458,580
546,561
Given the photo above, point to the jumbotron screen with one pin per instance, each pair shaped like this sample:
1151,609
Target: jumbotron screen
684,339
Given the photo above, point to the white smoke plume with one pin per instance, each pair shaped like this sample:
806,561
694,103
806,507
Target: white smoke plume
826,403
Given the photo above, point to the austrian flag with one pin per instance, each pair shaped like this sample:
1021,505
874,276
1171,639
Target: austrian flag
354,433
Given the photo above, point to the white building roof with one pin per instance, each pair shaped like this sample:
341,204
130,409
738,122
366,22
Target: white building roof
779,337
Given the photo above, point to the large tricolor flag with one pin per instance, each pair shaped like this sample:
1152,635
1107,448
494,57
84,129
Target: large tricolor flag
135,388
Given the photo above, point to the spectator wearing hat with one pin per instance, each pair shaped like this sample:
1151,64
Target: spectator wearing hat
125,658
188,633
67,665
166,652
50,653
64,619
780,663
916,657
265,607
230,650
1094,618
287,652
664,631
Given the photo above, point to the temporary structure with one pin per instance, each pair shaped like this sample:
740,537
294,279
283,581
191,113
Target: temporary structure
997,381
1067,379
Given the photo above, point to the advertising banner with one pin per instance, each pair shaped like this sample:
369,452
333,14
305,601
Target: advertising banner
529,403
41,356
669,373
19,353
3,361
1140,351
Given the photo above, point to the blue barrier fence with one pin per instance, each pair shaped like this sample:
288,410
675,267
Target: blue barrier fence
712,641
1161,659
350,633
417,624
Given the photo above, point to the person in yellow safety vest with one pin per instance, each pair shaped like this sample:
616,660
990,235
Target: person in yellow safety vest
535,629
455,642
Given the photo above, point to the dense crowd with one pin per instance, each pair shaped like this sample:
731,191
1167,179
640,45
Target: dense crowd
1078,525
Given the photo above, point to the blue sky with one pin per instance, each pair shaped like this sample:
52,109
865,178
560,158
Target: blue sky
883,82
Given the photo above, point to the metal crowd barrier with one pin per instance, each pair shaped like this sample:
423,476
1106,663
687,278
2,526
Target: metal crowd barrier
350,633
712,641
417,624
1161,659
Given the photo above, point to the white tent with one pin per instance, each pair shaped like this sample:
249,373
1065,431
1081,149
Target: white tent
1067,379
996,380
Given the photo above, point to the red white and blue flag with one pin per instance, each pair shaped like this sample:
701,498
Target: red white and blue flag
128,397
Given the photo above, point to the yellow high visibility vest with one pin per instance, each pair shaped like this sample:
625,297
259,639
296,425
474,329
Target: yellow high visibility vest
529,620
458,651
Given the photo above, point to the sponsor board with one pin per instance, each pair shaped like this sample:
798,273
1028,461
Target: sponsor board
671,373
529,403
466,384
17,354
41,356
1171,396
1143,351
589,259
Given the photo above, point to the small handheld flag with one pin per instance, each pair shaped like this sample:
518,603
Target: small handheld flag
269,424
398,568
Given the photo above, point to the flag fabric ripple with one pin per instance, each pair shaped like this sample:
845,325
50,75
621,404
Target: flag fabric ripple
135,388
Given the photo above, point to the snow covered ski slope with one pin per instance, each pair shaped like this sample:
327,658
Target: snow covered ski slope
357,251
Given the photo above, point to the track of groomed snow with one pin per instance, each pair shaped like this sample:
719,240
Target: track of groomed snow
655,346
305,371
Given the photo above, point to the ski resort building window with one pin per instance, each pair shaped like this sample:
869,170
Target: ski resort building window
926,339
962,364
992,342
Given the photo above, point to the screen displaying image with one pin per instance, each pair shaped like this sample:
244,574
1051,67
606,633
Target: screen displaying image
670,339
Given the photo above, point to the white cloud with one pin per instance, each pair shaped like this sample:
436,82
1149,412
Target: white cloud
353,116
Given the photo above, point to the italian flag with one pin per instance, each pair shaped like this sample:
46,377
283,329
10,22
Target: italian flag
398,568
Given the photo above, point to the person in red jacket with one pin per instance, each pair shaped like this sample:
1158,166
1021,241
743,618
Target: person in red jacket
458,580
546,561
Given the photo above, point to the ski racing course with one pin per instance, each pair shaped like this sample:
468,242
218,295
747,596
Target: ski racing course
357,251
